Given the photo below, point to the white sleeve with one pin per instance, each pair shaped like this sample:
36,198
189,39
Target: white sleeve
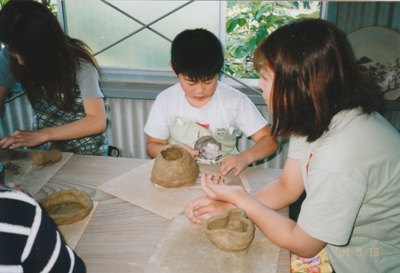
157,122
331,207
88,81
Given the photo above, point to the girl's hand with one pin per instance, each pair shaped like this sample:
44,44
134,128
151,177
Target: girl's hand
23,138
203,207
233,162
216,189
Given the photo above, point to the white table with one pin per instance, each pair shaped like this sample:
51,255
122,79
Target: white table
121,237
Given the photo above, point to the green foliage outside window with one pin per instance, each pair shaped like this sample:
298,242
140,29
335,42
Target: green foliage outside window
248,22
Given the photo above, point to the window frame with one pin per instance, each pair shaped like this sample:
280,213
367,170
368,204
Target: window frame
146,84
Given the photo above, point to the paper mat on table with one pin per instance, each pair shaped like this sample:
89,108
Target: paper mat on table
136,187
72,233
33,178
186,248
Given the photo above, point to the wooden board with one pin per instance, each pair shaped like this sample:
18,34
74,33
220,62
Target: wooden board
186,248
32,178
136,187
72,233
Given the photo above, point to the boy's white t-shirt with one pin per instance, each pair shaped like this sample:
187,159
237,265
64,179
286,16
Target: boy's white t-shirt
227,108
351,176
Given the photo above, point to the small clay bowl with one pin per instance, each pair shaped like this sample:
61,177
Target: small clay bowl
67,207
174,167
231,232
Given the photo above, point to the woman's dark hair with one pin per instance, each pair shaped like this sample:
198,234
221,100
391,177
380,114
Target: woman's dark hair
316,76
197,53
51,58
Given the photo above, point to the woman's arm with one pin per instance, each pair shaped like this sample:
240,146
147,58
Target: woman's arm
276,195
284,191
265,144
155,145
278,228
94,122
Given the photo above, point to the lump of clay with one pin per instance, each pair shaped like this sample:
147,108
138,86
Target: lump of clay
67,207
174,167
231,232
46,157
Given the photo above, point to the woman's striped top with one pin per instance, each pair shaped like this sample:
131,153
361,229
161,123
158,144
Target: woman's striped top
29,240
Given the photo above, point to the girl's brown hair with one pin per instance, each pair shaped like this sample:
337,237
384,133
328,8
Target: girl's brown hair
51,58
315,77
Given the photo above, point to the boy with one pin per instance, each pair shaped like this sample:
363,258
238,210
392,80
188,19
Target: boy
202,114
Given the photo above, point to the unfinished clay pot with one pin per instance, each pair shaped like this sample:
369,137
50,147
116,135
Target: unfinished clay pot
174,167
67,207
46,157
231,232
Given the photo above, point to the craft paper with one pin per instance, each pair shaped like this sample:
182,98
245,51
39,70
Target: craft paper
186,248
31,177
136,187
72,233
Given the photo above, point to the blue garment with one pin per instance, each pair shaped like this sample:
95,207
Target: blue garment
6,78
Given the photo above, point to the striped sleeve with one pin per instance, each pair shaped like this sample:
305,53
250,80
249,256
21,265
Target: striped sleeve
29,240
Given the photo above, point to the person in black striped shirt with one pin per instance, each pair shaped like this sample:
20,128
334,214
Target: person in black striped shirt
29,240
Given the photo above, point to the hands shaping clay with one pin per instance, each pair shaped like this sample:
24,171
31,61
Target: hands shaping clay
174,167
231,232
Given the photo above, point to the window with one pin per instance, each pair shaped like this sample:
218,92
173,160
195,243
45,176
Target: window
136,34
248,22
133,37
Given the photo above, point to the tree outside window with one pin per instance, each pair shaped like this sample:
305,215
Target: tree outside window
248,22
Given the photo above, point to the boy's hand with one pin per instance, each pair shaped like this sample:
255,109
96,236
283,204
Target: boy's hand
237,163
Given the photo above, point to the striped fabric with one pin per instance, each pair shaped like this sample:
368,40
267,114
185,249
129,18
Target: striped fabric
29,240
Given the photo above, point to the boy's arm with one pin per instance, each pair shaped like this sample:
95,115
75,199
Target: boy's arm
155,145
265,144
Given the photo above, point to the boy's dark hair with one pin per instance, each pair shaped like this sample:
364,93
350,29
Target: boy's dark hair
197,53
316,77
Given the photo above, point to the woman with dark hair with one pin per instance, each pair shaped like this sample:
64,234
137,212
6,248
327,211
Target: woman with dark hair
342,153
60,78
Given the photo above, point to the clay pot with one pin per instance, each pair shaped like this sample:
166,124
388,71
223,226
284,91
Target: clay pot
67,207
231,232
174,167
46,157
